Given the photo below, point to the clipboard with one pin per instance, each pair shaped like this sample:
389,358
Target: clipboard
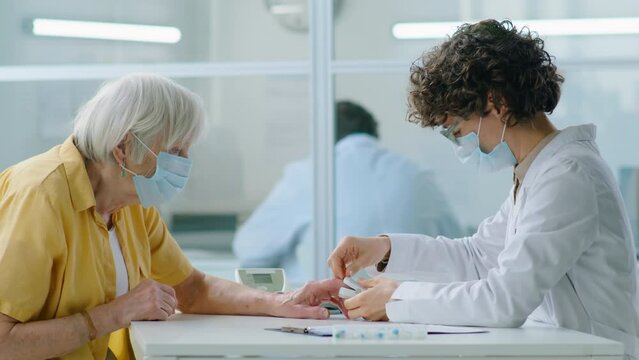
326,331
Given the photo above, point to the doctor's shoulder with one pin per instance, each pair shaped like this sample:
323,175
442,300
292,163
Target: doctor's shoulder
584,158
573,168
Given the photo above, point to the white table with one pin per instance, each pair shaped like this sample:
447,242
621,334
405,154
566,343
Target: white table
207,337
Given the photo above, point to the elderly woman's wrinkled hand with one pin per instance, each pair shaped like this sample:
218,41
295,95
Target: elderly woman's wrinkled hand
305,302
149,300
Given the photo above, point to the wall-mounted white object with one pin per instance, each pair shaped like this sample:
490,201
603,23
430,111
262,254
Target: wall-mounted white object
293,14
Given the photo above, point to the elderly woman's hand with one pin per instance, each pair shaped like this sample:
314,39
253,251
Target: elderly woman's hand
149,300
371,303
304,303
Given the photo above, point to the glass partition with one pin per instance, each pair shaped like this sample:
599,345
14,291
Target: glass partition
451,193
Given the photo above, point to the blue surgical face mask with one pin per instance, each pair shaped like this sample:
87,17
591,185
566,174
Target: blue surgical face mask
170,177
468,151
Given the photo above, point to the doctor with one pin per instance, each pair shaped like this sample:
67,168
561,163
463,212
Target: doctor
559,250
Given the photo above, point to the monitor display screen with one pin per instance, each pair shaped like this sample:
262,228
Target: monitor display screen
262,278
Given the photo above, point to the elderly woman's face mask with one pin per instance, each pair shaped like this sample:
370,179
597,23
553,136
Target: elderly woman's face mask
170,177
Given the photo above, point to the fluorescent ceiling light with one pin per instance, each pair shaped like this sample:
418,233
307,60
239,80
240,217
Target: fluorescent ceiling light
283,9
554,27
106,31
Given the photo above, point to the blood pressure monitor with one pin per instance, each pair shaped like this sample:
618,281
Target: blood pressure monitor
269,279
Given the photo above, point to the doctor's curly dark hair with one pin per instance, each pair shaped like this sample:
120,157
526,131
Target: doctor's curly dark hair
489,57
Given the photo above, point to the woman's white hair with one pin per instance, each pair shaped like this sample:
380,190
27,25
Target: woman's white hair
150,106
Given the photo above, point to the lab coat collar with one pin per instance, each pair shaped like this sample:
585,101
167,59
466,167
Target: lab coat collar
567,136
355,140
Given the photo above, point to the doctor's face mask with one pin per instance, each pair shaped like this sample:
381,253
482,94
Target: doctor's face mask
170,177
468,150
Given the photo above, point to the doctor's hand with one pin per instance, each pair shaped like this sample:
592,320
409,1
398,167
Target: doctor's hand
355,253
305,302
371,303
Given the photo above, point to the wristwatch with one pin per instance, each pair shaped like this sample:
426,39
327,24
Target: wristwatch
381,266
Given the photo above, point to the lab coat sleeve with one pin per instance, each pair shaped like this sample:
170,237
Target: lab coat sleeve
559,223
463,259
273,229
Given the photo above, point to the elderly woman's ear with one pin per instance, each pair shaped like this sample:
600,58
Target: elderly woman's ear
120,151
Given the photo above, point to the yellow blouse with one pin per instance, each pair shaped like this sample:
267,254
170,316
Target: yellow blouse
55,257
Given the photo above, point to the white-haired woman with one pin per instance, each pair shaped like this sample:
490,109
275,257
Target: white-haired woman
83,251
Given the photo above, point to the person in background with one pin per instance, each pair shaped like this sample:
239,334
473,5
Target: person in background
558,251
83,249
376,190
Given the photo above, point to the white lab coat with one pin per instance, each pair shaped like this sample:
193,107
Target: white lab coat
563,254
376,190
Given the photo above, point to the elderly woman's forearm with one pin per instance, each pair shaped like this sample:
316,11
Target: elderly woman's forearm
51,338
43,339
204,294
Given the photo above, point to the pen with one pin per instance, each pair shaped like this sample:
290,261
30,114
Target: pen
296,330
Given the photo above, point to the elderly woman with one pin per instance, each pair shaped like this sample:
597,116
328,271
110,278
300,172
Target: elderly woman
83,251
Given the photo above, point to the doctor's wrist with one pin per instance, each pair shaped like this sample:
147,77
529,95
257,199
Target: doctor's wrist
381,265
